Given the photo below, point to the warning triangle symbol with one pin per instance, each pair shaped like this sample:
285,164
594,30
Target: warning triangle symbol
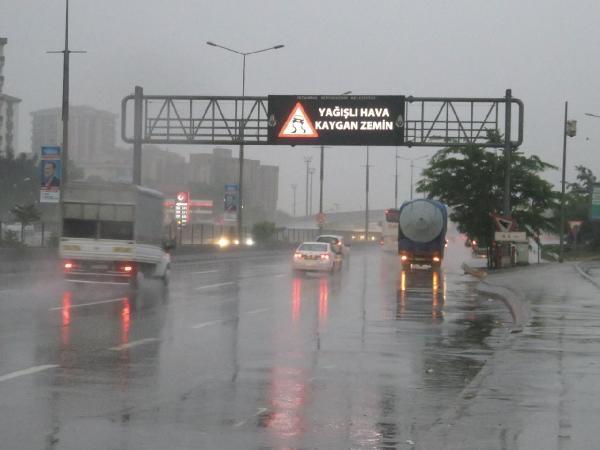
298,125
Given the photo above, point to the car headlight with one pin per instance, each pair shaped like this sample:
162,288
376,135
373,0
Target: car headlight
223,242
249,242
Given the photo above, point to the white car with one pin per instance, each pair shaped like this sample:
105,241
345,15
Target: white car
318,256
337,243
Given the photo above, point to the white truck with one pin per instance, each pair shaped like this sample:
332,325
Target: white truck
113,233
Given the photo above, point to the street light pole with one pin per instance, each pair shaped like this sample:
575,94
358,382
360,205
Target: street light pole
311,171
412,166
241,127
367,197
321,177
396,181
294,186
570,129
307,160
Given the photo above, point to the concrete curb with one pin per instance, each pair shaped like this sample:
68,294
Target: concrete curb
583,273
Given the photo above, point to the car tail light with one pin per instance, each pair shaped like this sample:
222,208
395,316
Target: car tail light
403,257
297,255
127,268
325,256
69,265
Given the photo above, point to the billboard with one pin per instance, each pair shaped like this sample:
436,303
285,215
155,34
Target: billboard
231,202
50,174
336,119
595,213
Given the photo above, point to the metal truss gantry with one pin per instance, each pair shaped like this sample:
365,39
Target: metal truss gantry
428,122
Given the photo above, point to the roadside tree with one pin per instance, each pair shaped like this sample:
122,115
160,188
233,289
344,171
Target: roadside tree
470,180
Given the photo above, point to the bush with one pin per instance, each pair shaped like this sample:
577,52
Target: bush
263,231
11,240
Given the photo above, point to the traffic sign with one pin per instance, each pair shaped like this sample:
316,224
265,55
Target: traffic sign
512,236
336,119
504,223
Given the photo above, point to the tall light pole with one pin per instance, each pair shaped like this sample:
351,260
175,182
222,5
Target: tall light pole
294,186
65,100
367,167
307,160
241,127
412,166
569,129
322,176
311,172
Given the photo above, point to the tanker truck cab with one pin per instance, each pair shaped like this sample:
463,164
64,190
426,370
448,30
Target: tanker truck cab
422,226
112,233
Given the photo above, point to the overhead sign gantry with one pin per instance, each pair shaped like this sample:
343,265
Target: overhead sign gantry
358,120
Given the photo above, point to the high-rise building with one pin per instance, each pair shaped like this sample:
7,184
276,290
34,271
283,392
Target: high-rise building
8,112
91,132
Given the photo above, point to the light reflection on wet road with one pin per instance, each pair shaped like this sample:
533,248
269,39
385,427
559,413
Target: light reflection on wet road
242,354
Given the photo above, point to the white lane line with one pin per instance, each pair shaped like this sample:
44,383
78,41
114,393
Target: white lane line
204,271
261,411
134,344
256,311
81,305
241,423
207,324
210,286
20,373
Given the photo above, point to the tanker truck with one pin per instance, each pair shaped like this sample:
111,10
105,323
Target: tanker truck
422,228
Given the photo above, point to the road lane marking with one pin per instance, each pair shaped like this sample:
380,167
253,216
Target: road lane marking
81,305
204,271
241,423
134,344
31,370
207,324
209,286
256,311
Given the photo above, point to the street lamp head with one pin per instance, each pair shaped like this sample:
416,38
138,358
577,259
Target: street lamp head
211,43
346,93
279,46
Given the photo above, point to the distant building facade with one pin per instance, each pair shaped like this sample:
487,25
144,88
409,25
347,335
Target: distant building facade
9,112
92,132
210,172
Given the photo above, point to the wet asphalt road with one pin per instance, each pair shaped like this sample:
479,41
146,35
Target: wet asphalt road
242,354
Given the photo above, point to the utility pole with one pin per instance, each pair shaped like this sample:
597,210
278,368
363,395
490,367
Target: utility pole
311,172
321,173
367,167
307,160
65,101
294,186
507,152
569,129
396,181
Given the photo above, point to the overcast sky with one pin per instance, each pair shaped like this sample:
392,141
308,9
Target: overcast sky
546,51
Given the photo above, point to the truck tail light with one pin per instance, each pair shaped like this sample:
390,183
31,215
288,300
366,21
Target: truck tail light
325,256
297,255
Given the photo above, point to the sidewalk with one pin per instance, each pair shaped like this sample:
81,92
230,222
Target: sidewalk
541,389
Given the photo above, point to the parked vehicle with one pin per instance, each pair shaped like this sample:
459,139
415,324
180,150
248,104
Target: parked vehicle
422,226
113,233
316,256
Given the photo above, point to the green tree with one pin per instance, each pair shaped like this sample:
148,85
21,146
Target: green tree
263,231
19,182
470,180
577,206
25,214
